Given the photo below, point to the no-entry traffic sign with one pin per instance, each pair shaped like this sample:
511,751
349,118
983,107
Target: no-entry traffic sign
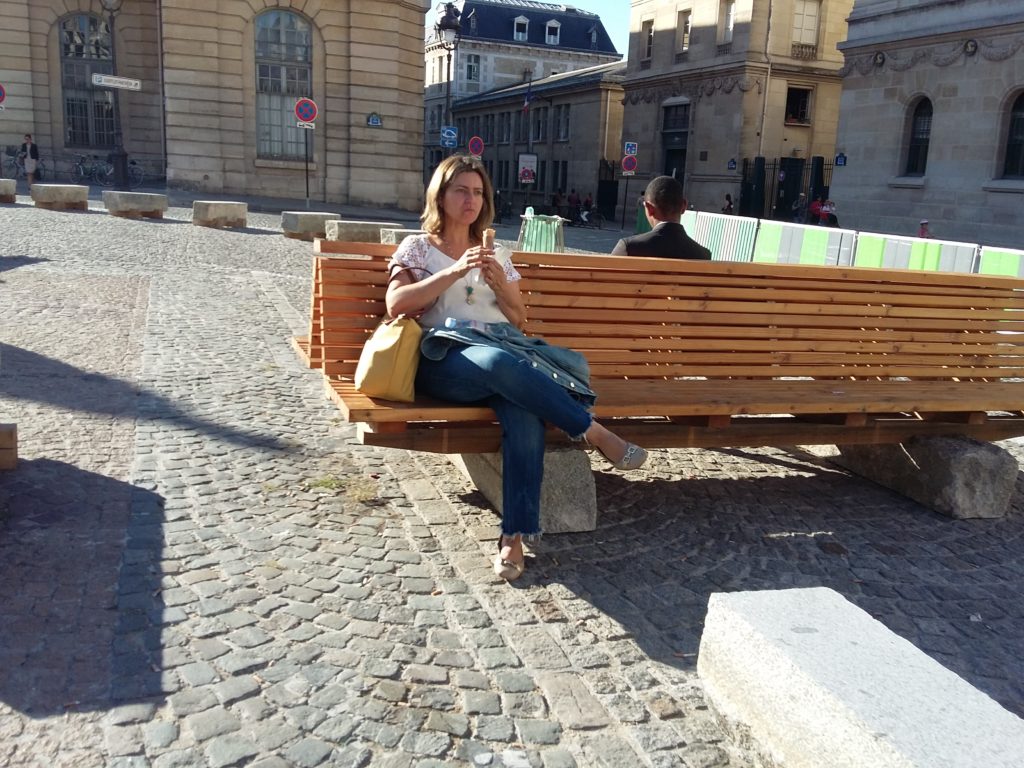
305,110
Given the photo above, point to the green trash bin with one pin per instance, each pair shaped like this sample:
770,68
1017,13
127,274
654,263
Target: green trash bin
541,234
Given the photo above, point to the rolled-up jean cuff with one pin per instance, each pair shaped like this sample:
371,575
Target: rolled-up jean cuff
527,537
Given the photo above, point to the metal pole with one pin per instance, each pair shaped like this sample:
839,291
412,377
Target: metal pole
448,97
306,131
119,156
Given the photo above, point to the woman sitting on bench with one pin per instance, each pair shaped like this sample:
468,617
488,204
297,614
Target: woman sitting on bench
473,350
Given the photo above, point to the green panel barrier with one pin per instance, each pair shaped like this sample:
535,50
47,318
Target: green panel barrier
689,222
541,234
870,250
1001,261
814,248
768,245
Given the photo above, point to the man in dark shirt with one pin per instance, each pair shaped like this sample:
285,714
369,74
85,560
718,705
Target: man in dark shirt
664,204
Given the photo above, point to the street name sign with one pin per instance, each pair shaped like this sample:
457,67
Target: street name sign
113,81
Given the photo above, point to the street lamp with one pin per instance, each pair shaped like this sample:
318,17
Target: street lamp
118,158
447,32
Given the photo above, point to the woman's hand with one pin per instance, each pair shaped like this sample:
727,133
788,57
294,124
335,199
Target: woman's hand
475,257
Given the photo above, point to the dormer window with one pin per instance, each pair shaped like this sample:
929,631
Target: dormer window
551,32
522,27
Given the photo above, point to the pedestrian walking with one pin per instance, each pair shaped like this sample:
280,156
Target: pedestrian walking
29,153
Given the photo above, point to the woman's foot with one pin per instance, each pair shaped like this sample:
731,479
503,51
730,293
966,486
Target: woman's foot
510,561
620,454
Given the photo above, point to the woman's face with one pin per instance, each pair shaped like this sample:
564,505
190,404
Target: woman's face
463,200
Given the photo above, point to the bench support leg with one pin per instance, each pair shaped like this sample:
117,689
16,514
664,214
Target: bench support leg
568,496
956,476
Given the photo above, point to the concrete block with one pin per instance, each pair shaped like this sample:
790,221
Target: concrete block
568,495
219,213
358,231
133,205
395,236
956,476
8,190
305,225
61,197
815,682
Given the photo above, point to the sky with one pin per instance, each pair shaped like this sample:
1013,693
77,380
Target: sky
614,15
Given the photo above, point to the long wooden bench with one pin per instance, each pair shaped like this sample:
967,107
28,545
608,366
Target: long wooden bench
714,354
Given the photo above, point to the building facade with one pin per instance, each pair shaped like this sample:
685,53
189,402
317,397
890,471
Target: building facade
502,43
570,122
932,119
219,82
714,83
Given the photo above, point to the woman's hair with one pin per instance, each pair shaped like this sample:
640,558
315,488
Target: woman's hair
433,212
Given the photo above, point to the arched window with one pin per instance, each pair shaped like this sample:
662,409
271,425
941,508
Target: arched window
920,133
284,74
85,51
1014,164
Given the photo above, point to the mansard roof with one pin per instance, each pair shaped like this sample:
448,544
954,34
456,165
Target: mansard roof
494,20
612,72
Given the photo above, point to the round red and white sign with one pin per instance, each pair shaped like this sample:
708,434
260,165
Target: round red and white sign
305,110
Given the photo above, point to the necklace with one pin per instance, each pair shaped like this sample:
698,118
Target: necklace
469,288
468,278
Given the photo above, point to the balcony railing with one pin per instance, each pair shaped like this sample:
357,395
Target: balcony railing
804,51
724,48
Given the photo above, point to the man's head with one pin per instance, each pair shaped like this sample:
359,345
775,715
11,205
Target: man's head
664,200
28,137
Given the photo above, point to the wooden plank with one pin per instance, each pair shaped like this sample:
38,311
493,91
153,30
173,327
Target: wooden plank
301,346
322,247
738,434
8,436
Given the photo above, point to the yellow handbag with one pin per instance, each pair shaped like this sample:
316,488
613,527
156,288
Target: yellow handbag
387,365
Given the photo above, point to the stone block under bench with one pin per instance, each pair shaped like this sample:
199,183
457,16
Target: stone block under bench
815,682
219,213
305,225
134,205
8,446
61,197
8,190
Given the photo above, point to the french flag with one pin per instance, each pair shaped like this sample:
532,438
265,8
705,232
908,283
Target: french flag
529,95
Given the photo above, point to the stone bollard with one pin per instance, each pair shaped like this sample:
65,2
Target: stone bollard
61,197
955,476
8,190
219,213
133,205
395,236
358,231
305,225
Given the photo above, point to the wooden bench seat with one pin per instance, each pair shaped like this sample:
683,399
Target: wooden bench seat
8,446
707,354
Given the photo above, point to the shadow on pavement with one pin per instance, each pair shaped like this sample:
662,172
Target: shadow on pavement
13,262
664,546
26,375
80,601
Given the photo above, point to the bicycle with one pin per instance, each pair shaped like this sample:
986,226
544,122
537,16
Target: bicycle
582,217
16,167
83,171
104,174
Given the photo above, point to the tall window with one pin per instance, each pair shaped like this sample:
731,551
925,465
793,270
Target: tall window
920,133
1014,164
540,124
522,126
560,126
726,19
521,29
805,22
88,111
473,68
646,39
683,31
798,106
504,127
283,75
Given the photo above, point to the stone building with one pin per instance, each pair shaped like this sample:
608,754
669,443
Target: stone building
932,119
219,83
573,125
501,43
712,83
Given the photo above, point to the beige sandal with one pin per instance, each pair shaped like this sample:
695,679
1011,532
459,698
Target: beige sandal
509,570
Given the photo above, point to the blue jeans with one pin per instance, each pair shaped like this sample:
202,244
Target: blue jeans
524,399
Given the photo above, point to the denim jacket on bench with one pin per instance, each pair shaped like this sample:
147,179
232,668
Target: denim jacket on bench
566,366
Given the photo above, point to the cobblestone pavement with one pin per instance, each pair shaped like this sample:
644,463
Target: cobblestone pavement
200,565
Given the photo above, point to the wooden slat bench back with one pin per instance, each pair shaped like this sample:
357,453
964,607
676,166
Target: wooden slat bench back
683,351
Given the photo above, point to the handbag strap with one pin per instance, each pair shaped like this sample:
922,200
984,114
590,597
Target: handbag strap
398,270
